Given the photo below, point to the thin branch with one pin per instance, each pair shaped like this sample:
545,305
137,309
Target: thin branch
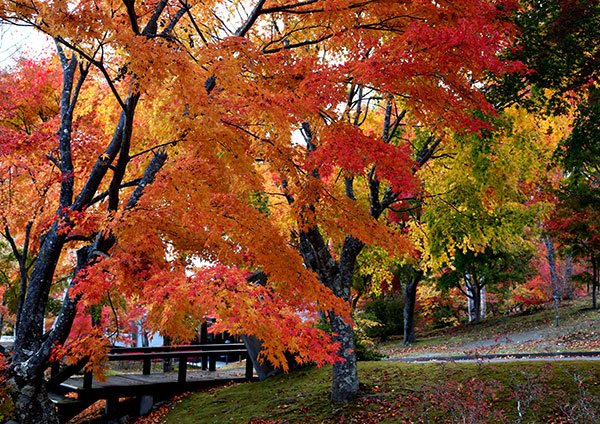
239,127
101,196
193,21
301,44
158,146
287,7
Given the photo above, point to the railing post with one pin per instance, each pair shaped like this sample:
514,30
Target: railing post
87,380
212,362
204,362
182,369
249,367
147,366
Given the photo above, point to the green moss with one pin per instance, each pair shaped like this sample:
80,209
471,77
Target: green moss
397,390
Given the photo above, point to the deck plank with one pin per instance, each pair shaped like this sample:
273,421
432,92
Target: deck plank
124,380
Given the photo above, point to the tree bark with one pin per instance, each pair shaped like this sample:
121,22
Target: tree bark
473,298
344,384
594,283
167,362
410,297
31,401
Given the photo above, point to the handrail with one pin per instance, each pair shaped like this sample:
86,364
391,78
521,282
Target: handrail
207,353
176,348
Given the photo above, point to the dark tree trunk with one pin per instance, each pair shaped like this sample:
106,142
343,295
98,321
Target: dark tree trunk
556,289
410,297
337,276
167,362
594,283
477,303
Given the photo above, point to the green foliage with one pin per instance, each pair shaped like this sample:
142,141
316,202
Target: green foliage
388,310
260,202
558,43
443,315
479,192
363,344
491,268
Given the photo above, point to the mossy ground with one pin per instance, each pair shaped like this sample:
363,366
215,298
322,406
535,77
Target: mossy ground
393,392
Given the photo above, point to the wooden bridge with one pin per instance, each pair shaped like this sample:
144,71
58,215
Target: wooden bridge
196,368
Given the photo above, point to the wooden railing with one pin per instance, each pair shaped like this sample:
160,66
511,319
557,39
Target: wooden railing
207,354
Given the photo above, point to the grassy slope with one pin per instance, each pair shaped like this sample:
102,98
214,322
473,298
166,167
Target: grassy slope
579,331
398,392
391,392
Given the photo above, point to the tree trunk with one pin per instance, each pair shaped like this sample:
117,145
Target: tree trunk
31,400
167,362
410,297
344,384
474,298
476,292
594,283
337,276
482,303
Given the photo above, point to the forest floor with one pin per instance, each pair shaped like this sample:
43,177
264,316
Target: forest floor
553,391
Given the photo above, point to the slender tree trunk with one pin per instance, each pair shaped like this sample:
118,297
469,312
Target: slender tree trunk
556,291
477,303
410,297
594,283
473,298
482,303
167,362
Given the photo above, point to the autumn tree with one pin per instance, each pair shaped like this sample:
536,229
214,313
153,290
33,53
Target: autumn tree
177,132
481,210
558,41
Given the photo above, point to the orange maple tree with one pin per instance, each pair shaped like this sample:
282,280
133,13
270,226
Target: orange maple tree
185,133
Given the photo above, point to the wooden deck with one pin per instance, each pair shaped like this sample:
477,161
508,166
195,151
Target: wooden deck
125,385
195,369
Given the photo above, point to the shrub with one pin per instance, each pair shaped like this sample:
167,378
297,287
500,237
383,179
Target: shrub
388,310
